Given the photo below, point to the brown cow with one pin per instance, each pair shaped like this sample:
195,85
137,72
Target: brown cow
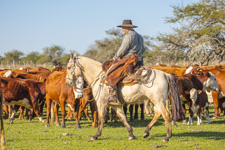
59,92
23,92
3,143
87,99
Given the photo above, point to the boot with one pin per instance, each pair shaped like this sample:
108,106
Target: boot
112,94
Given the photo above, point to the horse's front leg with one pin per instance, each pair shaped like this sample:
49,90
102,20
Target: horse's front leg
123,119
101,113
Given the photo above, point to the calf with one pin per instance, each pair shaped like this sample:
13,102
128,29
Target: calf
199,102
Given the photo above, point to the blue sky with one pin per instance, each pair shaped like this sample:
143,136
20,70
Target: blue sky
31,25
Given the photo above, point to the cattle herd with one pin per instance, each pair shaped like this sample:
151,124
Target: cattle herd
32,89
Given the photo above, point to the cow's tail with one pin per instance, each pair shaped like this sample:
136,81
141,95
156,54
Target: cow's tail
177,112
3,143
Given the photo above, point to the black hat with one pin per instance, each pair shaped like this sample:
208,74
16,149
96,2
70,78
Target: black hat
127,23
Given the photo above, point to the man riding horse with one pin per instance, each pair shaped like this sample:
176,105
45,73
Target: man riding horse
130,53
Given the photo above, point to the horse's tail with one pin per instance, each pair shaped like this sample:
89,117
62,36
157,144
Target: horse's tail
177,112
3,143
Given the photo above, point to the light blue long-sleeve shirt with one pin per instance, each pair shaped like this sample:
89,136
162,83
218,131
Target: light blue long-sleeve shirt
132,44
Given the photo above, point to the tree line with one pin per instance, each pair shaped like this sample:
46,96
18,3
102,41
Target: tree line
199,38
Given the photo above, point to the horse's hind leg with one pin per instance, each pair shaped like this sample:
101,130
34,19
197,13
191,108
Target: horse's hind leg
156,117
160,110
166,117
123,119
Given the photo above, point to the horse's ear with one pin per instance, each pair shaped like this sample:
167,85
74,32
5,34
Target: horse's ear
71,56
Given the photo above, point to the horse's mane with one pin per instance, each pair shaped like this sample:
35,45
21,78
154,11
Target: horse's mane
90,60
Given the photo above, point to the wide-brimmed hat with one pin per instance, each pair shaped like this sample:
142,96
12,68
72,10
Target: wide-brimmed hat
127,23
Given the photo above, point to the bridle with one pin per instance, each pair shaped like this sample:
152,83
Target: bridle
76,63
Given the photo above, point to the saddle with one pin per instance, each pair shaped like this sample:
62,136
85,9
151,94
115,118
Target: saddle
126,72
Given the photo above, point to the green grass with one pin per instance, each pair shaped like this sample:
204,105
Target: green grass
33,135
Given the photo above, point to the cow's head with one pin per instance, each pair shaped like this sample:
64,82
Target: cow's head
193,95
211,82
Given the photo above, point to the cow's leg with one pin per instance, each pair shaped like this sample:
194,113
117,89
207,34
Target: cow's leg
198,116
123,119
106,116
36,108
94,113
82,105
21,112
136,112
155,118
142,112
5,108
184,110
69,114
62,106
52,112
207,114
190,117
131,108
86,112
216,104
48,103
125,110
77,107
14,111
56,108
27,113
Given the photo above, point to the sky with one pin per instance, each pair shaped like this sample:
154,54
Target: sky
75,25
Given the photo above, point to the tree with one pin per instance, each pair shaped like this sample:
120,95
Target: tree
31,57
201,35
53,54
13,56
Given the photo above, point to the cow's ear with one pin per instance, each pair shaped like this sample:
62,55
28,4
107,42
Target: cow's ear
186,92
199,91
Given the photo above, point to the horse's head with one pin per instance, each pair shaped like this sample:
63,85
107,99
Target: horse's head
73,70
78,89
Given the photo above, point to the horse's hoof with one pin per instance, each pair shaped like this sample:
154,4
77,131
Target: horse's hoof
46,125
214,118
146,135
78,127
57,124
165,140
131,137
93,138
63,126
11,121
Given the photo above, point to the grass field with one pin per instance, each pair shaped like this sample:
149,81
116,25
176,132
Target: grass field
33,135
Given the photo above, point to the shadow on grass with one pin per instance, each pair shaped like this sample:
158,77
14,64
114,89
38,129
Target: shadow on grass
207,135
137,123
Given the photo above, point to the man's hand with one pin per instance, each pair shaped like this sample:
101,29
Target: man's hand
114,59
